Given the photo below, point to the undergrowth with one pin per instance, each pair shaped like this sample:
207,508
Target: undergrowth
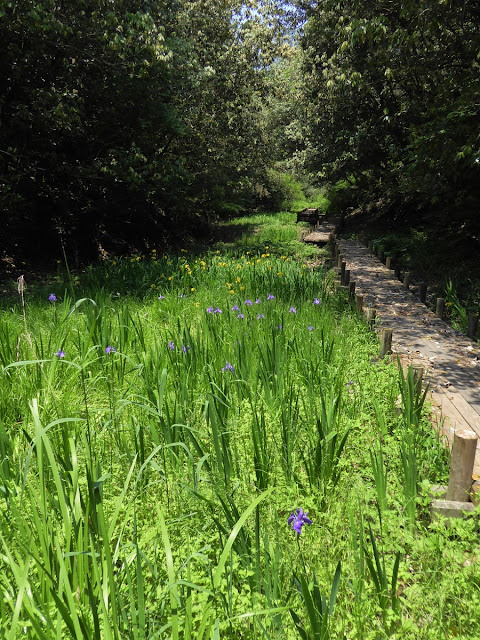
205,446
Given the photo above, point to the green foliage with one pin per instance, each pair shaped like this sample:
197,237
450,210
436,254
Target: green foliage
122,121
319,613
390,95
145,492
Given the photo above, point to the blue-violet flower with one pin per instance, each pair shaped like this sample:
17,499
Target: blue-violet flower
298,519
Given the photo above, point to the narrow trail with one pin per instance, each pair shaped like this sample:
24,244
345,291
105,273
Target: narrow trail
450,359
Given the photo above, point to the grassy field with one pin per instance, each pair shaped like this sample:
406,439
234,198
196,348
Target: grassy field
204,445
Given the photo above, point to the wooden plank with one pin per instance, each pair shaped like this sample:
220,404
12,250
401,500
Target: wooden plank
302,217
318,237
450,418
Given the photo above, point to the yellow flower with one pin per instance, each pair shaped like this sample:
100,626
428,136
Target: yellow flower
280,273
232,291
218,251
152,286
269,268
229,286
258,261
197,304
193,289
242,288
169,277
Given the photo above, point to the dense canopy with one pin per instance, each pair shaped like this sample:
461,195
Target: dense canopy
124,122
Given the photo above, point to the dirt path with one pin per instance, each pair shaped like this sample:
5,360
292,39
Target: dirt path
451,360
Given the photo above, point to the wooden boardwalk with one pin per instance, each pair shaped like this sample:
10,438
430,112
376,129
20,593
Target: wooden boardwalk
450,359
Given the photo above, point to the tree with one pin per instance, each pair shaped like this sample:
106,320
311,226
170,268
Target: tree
121,120
392,96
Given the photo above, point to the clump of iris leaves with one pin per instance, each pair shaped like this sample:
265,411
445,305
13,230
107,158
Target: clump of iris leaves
206,445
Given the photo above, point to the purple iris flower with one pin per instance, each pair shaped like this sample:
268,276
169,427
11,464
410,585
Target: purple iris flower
310,328
171,344
240,316
248,303
292,310
60,354
235,307
258,301
298,519
210,310
270,297
217,310
110,349
185,348
182,295
349,383
316,301
52,297
279,327
228,367
260,316
160,297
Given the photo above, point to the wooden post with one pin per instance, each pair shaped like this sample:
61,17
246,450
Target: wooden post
343,267
417,378
339,260
472,325
422,292
406,279
359,303
346,277
440,308
397,273
388,262
386,342
370,315
351,288
461,465
332,242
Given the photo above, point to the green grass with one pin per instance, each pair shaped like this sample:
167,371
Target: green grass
145,492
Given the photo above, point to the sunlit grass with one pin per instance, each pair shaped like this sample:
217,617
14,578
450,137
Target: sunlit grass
147,475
